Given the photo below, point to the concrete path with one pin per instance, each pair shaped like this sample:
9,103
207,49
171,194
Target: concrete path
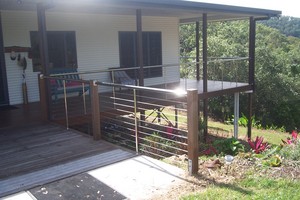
139,177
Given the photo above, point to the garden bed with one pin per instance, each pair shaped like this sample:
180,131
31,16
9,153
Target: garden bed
250,175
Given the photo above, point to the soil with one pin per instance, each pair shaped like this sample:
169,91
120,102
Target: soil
223,174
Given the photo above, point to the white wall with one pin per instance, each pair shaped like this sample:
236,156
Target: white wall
96,41
16,27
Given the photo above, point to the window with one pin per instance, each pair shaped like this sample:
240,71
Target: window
61,50
152,52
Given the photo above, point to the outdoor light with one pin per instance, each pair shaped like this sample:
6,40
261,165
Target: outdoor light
228,159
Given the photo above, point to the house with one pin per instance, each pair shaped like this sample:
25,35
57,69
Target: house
37,36
100,34
97,35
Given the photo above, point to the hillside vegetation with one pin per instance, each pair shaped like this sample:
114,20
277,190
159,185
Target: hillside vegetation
277,69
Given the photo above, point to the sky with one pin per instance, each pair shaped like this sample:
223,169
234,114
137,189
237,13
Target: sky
288,7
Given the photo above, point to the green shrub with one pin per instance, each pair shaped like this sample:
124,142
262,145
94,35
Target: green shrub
157,145
230,146
291,152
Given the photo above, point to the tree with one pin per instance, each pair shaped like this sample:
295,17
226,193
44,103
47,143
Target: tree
290,26
277,95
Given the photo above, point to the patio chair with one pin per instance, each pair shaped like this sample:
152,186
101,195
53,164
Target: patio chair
57,86
121,77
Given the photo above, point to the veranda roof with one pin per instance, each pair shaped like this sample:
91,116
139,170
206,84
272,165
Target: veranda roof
186,11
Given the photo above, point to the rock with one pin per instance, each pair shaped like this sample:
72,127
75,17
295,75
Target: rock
213,164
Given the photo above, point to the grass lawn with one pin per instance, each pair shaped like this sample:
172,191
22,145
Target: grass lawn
251,188
271,136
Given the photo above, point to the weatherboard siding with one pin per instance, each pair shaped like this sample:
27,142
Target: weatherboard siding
96,41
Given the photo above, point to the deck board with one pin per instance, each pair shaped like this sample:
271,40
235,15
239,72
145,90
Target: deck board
28,149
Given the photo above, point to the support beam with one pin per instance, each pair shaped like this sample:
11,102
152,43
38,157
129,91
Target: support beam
43,98
197,51
192,121
139,42
204,57
140,59
95,107
236,114
43,41
252,30
250,100
43,45
3,76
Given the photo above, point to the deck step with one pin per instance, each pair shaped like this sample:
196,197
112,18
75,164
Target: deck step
33,179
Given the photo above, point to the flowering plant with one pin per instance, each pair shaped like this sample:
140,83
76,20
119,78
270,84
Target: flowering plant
292,140
258,145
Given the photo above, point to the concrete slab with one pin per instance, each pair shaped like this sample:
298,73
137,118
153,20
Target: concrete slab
33,179
141,177
82,186
137,178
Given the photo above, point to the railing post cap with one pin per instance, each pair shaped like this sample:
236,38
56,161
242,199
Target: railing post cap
95,82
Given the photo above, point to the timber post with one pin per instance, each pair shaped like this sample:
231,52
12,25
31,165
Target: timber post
43,46
192,121
197,51
43,97
95,106
205,76
252,32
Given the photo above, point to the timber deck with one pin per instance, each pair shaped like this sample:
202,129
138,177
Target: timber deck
34,155
20,115
29,149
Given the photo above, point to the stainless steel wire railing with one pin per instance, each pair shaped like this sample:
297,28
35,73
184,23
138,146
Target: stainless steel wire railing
134,117
69,101
149,120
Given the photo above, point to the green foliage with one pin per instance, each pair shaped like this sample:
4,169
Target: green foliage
157,145
287,25
243,121
230,146
273,161
277,94
291,152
